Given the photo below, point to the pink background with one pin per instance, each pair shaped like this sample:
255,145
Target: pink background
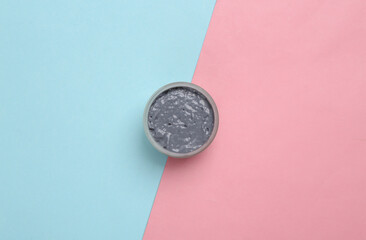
289,160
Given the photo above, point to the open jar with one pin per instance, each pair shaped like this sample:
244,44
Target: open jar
181,119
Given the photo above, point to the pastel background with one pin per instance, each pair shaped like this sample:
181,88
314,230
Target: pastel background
289,160
74,79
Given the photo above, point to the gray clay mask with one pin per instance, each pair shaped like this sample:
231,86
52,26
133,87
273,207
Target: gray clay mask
181,120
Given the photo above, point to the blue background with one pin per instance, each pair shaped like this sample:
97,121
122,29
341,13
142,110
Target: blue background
74,80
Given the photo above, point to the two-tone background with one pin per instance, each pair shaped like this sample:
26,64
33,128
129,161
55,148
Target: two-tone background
289,79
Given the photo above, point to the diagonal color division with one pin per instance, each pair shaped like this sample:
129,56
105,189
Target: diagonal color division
74,80
289,79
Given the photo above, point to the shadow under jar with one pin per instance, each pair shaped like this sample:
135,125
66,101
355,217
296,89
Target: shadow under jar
181,119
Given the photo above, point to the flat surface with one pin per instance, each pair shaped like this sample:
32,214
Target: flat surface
74,80
288,162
